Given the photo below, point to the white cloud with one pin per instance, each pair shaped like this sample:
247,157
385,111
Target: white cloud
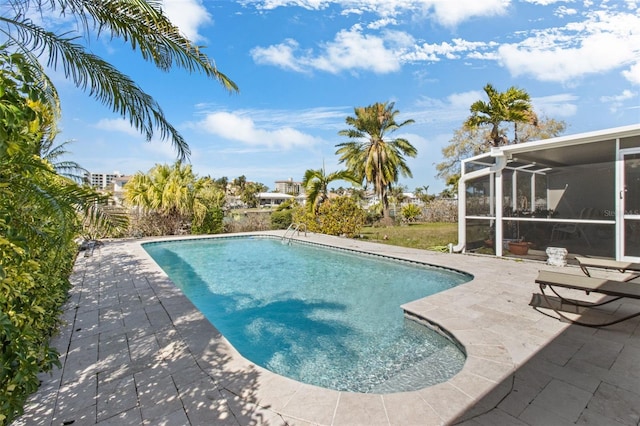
547,2
603,42
445,114
633,74
561,105
282,55
453,50
319,117
273,4
451,13
563,11
350,50
443,12
239,127
117,125
617,101
188,15
625,95
160,150
465,99
381,23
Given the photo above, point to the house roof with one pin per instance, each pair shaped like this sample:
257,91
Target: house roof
273,196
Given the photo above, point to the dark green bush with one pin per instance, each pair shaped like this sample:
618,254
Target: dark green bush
33,287
212,223
281,219
38,222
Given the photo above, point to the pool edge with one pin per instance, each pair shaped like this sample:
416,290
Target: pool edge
460,399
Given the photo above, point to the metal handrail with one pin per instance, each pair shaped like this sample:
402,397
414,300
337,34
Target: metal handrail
294,227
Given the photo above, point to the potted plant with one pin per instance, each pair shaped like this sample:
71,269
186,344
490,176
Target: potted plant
519,248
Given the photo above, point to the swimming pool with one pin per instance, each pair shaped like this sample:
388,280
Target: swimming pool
320,316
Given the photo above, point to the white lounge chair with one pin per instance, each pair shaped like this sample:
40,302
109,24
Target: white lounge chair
614,288
620,266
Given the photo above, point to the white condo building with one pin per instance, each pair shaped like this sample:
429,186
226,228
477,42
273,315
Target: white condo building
102,180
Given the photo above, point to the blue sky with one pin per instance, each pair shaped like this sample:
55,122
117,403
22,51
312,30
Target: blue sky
303,65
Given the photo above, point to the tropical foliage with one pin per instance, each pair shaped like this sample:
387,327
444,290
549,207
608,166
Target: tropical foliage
410,212
282,217
422,194
471,141
250,191
338,216
316,185
41,213
211,194
512,106
140,23
371,155
172,200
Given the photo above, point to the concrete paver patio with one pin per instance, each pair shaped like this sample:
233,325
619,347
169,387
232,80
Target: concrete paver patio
135,351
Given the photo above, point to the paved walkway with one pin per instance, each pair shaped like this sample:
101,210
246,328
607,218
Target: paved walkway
135,351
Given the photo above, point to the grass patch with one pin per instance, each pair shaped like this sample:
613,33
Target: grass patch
425,236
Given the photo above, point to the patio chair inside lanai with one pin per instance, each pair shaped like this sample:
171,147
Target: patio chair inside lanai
563,231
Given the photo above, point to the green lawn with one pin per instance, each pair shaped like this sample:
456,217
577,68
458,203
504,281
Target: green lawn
421,235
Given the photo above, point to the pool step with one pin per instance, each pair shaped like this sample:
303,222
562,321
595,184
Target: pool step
421,374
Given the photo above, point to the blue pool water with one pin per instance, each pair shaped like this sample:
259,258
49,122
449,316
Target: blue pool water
320,316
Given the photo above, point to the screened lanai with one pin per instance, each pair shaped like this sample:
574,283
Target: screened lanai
578,192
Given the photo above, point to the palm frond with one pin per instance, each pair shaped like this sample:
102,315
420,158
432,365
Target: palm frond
102,81
143,24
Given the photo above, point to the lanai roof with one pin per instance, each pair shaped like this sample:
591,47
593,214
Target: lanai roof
560,151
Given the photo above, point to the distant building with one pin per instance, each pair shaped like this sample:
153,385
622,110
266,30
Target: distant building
272,199
289,187
101,180
118,189
113,183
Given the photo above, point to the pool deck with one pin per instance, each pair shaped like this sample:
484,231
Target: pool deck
135,351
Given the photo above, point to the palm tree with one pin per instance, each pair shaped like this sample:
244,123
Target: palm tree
513,106
30,162
169,191
45,146
250,191
370,155
164,191
141,23
316,185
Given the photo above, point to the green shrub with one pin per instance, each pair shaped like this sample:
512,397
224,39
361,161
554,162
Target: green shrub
339,216
300,214
410,212
33,287
212,223
281,219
